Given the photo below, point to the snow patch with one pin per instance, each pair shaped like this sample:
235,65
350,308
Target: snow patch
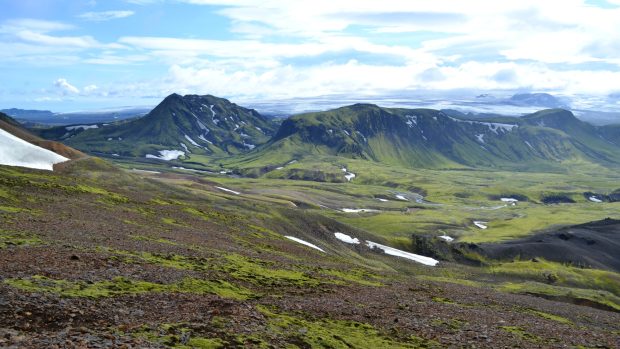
480,224
383,200
348,175
401,197
480,138
248,145
189,139
279,168
495,127
190,169
358,210
144,171
201,137
228,190
594,199
15,151
412,120
167,155
346,238
84,127
446,237
363,137
509,200
529,145
185,147
304,242
398,253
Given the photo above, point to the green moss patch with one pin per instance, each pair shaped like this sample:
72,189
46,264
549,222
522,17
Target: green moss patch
259,272
178,336
548,316
357,276
521,333
8,239
327,333
120,286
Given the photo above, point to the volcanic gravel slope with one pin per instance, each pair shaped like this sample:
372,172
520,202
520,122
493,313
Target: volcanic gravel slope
592,245
94,257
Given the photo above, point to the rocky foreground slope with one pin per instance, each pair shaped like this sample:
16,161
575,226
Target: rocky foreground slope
98,257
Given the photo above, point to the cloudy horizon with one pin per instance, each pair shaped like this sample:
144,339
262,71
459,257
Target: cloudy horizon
67,55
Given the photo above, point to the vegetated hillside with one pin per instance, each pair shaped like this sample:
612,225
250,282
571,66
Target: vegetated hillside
99,257
190,124
13,127
430,138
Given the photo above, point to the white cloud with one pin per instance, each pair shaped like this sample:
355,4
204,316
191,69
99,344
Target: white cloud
90,88
41,26
105,15
64,41
65,87
299,48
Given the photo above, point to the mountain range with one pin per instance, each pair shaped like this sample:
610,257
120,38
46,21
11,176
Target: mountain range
430,138
186,126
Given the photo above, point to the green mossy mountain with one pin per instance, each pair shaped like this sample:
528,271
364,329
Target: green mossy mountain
431,138
193,124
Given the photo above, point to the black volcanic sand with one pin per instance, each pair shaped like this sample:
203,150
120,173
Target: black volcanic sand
594,244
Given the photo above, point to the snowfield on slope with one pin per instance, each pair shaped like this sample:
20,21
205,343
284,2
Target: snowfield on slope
347,238
229,190
446,238
166,155
348,175
84,127
358,210
398,253
15,151
304,243
480,224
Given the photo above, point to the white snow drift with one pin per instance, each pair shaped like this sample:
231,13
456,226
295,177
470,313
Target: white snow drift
446,238
228,190
304,242
167,155
347,238
480,224
15,151
348,175
398,253
358,210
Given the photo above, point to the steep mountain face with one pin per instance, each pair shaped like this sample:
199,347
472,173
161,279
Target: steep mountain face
182,124
430,138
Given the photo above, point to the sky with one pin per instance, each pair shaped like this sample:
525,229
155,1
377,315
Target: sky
66,55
